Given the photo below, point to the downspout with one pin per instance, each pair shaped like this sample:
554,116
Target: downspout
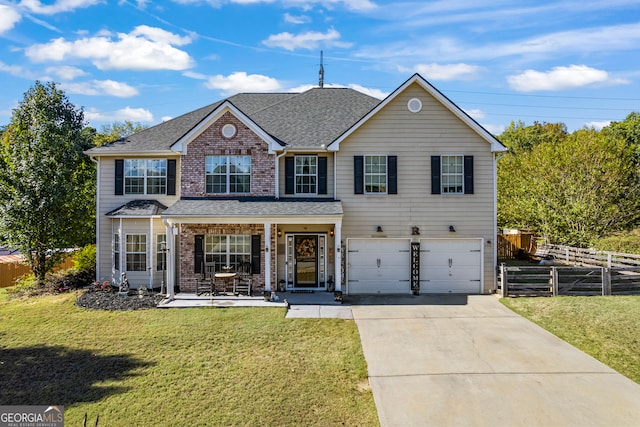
93,159
497,156
284,151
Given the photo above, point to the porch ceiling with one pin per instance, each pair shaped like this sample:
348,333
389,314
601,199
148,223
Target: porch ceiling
252,211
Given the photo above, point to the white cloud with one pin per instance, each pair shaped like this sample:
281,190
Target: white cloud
166,118
65,72
597,125
8,18
560,78
145,48
494,129
36,6
447,71
15,70
300,19
355,5
124,114
101,87
242,82
476,113
309,40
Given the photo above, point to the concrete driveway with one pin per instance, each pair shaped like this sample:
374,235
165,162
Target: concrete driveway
469,361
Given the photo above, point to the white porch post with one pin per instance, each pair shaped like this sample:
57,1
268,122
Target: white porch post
338,257
151,251
267,257
169,261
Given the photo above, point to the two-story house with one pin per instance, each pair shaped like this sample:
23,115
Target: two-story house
328,189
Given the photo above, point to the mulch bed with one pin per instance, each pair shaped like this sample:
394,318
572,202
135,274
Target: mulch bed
100,300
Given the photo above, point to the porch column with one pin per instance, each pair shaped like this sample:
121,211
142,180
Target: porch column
170,261
267,257
338,252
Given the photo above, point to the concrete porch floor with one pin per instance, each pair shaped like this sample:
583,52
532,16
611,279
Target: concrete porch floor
301,305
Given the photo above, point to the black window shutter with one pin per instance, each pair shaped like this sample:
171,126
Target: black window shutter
358,174
392,174
255,254
435,174
289,172
198,254
119,177
171,177
468,174
322,175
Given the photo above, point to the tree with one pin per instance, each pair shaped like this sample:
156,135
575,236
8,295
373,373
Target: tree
117,130
572,192
46,181
519,137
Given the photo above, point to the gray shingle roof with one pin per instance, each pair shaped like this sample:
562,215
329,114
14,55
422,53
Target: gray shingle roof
139,208
253,208
300,120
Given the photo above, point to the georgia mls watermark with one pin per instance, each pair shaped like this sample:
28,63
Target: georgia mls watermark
32,416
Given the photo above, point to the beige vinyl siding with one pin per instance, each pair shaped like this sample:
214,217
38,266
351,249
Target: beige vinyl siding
330,176
108,202
414,138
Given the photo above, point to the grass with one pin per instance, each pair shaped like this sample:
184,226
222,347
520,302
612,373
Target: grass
182,366
607,328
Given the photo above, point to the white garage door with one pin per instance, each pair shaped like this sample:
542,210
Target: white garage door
451,266
378,266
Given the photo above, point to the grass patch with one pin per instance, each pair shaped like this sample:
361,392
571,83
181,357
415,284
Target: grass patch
607,328
171,367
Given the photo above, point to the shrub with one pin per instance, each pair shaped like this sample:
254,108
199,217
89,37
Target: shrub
85,258
626,243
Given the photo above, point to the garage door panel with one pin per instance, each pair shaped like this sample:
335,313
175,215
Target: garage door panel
378,266
450,265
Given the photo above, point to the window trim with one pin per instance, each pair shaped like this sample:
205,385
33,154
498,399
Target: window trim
127,252
228,174
146,178
365,174
460,174
161,258
228,254
314,175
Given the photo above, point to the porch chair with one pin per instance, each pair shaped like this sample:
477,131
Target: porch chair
243,282
204,284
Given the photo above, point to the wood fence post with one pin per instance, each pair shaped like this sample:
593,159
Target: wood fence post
609,259
606,281
554,281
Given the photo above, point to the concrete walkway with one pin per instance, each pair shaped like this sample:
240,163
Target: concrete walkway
469,361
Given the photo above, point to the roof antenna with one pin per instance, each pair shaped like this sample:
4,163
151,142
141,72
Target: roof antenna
321,79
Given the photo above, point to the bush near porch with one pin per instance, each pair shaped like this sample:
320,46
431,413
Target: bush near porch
607,328
167,367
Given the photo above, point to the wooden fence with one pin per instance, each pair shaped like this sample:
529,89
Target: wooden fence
587,257
559,280
12,270
516,246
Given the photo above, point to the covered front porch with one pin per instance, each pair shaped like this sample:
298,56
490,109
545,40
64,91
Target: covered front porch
284,245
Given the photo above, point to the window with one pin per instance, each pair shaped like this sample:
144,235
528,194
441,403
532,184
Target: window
227,250
452,174
145,176
306,174
136,252
375,174
228,174
161,253
116,252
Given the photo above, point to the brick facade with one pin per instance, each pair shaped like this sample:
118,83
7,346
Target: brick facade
188,276
212,143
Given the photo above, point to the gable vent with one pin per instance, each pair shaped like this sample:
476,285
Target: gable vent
414,105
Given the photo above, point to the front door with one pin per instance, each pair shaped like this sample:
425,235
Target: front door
306,261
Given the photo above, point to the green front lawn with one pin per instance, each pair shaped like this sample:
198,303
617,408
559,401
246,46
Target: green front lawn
607,328
182,366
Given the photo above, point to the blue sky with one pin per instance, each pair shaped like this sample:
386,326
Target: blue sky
570,61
